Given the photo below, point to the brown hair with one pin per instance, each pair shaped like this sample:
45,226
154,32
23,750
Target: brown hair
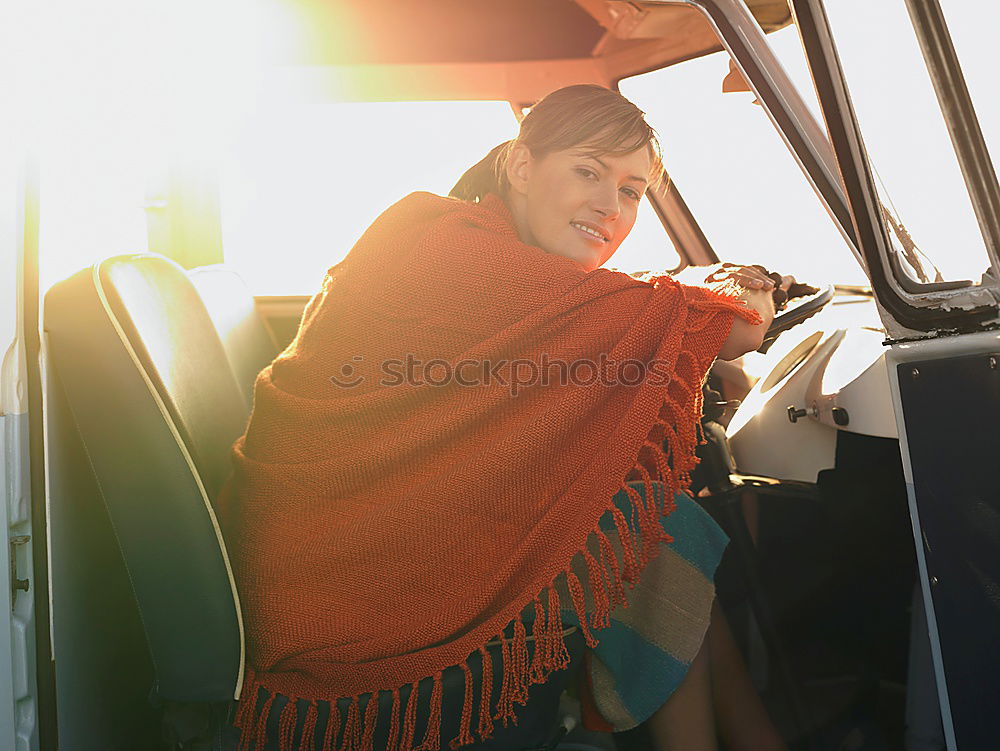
601,120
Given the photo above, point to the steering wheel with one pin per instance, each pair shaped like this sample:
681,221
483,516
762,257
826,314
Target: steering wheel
802,309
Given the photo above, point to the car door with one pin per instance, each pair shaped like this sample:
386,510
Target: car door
941,332
20,595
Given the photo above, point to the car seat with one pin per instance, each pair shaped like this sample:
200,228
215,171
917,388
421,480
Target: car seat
157,407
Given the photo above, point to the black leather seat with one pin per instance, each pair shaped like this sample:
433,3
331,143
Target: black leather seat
157,407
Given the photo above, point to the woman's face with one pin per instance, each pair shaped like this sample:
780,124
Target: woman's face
574,204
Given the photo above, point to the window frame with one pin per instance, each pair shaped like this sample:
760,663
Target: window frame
916,309
692,245
960,117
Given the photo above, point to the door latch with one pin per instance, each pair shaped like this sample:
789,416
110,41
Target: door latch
15,583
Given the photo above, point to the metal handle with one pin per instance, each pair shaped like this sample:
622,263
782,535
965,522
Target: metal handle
15,583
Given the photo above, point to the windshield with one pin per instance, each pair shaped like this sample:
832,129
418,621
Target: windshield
738,177
925,204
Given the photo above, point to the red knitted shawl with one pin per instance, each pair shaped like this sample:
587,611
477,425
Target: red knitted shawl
425,459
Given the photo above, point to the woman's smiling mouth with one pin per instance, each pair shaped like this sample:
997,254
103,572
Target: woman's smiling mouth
591,230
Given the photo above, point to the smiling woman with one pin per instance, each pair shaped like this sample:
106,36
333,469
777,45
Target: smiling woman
592,201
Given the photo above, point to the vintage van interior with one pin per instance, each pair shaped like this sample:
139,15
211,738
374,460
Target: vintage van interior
150,357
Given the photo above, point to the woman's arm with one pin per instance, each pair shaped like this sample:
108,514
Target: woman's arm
745,336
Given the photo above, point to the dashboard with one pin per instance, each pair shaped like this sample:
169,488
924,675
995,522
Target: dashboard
825,375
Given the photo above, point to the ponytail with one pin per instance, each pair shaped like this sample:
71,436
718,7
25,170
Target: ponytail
488,175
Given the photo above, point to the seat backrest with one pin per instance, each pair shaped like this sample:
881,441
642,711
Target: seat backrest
157,407
248,342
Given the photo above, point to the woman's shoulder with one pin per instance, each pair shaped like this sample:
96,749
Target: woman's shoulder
421,205
427,211
406,221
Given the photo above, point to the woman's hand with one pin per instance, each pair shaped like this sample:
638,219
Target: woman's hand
751,277
762,292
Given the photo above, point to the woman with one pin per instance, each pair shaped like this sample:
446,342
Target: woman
441,459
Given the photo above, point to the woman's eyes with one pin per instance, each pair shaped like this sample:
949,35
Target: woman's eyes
589,174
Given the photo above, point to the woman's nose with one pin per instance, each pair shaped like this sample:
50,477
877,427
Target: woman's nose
605,202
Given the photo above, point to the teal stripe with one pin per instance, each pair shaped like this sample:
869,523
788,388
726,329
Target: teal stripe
645,676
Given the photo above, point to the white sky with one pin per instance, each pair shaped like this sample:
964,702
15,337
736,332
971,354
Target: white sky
300,183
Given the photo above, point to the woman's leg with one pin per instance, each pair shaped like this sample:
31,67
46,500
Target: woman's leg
686,722
715,696
742,720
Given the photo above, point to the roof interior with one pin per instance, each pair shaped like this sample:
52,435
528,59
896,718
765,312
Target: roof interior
446,31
